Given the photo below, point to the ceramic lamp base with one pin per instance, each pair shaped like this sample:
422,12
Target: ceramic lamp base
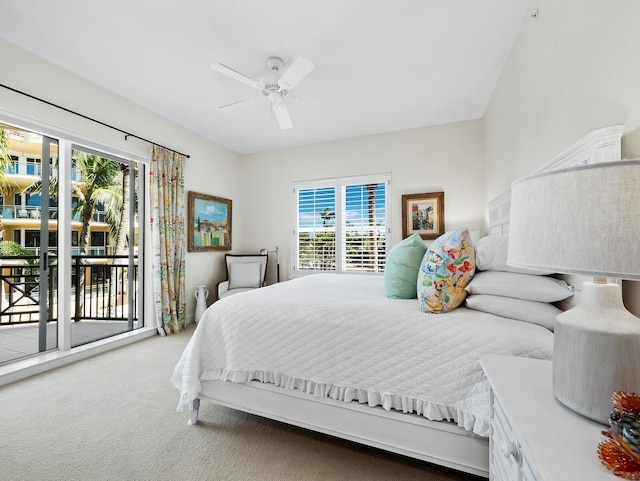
596,352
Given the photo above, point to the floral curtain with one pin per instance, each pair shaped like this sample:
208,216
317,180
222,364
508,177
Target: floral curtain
166,184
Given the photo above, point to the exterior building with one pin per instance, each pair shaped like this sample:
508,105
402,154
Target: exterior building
21,212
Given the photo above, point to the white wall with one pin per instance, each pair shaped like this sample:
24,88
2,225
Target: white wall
574,70
442,158
31,74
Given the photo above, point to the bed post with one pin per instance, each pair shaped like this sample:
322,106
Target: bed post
193,411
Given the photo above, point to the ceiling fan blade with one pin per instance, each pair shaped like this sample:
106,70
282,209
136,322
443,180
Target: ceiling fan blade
282,116
233,104
229,72
298,70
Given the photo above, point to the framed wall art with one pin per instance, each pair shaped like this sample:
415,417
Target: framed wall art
423,214
209,220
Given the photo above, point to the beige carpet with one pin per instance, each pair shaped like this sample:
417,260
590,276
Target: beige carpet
112,417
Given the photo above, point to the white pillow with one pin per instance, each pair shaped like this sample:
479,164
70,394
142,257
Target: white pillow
541,313
520,286
244,274
491,255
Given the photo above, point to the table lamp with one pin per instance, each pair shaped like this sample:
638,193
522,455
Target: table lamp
585,220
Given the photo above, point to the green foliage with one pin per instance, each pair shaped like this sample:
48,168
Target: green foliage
100,184
4,147
317,251
328,217
10,248
5,156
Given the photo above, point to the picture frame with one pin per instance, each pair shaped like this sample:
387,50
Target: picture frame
423,214
209,220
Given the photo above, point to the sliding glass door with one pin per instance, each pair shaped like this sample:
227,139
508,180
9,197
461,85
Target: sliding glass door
105,282
28,245
68,234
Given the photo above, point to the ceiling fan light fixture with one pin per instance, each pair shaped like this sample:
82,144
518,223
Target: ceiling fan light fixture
275,98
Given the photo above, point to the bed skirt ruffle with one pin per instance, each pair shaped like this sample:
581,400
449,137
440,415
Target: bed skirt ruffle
388,401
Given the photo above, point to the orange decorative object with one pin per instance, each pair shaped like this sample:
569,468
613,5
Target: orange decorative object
621,452
626,402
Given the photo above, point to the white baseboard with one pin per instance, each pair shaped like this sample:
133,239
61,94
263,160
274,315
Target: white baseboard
50,360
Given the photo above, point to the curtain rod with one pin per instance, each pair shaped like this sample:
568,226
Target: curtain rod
126,134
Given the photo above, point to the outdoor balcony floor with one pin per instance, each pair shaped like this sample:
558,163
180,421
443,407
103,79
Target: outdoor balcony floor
18,341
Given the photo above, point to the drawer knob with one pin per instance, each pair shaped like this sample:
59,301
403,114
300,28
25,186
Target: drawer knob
509,449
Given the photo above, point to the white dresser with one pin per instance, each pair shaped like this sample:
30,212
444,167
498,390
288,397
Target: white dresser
533,436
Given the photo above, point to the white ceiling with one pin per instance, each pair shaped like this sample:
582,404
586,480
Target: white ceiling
381,65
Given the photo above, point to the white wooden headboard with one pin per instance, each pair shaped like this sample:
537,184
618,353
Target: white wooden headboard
602,145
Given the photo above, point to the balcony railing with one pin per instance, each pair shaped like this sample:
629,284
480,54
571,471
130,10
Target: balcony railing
104,295
35,169
35,212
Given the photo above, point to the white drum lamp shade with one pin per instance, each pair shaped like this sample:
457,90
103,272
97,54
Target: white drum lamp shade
586,221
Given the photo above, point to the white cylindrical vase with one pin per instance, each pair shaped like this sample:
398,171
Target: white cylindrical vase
596,352
201,295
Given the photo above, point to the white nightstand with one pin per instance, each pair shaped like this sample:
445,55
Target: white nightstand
533,436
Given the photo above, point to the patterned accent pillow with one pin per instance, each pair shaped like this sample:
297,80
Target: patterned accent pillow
447,267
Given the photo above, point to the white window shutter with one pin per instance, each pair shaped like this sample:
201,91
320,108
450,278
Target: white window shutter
342,224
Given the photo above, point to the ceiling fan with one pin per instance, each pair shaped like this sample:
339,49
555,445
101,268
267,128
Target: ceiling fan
274,86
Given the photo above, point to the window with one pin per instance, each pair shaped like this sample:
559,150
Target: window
341,224
34,166
13,168
99,242
32,239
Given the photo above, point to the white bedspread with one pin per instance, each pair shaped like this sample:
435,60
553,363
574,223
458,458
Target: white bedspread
339,336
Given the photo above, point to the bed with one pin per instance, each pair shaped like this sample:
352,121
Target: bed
334,354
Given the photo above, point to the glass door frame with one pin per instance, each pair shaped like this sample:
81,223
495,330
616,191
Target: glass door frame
136,176
66,141
46,308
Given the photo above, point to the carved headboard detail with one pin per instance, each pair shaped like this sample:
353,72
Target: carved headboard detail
602,145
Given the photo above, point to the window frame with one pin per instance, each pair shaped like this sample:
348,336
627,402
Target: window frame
339,184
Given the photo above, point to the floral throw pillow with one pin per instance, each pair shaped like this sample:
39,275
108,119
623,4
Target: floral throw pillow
447,267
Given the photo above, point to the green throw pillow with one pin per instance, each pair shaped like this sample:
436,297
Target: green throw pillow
402,266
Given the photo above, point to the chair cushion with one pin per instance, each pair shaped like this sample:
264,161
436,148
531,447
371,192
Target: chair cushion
235,291
244,274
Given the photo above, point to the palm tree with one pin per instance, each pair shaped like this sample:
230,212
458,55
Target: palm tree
120,230
5,154
5,163
99,185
